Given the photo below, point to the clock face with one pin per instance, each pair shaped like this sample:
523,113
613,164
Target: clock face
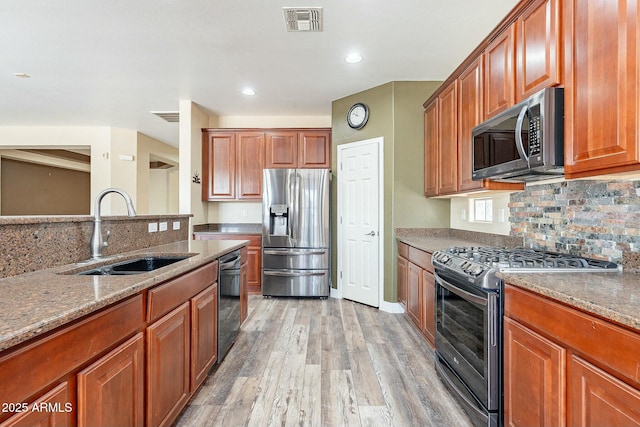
358,115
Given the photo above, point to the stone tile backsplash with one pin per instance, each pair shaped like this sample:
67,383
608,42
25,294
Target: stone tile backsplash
600,219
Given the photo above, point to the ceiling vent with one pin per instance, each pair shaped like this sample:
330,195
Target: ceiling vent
170,116
300,19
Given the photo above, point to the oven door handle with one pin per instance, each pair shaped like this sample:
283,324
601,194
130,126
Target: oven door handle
462,294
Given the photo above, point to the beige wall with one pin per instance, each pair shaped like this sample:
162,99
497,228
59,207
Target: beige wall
460,214
154,187
396,114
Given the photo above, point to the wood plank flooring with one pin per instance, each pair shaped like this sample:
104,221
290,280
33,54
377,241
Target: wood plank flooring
310,362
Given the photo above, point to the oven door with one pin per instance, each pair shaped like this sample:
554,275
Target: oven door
468,337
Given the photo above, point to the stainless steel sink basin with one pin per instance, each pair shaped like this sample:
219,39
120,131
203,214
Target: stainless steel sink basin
133,266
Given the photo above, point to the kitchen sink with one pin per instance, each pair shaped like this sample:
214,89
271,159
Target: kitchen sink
133,266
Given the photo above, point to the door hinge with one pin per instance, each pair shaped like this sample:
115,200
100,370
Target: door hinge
341,274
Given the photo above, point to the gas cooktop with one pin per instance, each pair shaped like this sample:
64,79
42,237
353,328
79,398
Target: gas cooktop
480,263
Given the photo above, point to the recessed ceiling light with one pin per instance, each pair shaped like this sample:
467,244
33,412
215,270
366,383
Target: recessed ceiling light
248,91
22,75
353,58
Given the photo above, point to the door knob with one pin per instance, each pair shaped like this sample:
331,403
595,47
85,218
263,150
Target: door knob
372,233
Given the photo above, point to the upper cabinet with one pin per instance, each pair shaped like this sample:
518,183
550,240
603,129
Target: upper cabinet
601,87
233,159
538,48
448,140
232,164
298,149
431,169
470,114
498,73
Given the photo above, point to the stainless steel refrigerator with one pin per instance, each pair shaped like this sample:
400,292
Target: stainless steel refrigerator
296,232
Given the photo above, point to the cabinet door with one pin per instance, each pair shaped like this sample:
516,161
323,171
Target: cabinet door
254,269
244,294
403,266
428,307
250,162
498,73
59,397
204,334
469,115
599,399
534,378
431,167
601,86
314,149
111,390
414,294
281,150
219,166
448,140
168,348
538,48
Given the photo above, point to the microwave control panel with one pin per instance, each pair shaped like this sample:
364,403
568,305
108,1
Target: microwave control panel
534,136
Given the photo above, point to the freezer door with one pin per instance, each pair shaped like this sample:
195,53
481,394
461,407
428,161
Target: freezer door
278,191
294,258
295,283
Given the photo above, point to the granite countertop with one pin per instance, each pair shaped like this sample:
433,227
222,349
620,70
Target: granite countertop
613,295
228,228
40,301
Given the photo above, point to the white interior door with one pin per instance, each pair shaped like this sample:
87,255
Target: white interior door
360,263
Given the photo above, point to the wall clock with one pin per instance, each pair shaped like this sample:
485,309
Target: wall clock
358,115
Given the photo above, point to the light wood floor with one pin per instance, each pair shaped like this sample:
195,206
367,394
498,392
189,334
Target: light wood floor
332,362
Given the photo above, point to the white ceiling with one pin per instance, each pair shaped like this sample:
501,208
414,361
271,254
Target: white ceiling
108,63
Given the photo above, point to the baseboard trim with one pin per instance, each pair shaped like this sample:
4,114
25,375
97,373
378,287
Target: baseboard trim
391,307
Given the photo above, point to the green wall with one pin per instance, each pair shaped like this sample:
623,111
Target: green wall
397,115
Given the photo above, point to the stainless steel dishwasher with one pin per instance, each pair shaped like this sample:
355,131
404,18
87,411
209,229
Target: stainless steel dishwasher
228,301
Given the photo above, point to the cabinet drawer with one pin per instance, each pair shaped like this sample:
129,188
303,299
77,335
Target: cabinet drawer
403,250
612,347
421,258
166,297
26,371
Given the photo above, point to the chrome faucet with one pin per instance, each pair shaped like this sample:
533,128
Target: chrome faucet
97,243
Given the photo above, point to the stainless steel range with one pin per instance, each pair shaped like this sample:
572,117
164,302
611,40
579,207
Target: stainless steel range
469,309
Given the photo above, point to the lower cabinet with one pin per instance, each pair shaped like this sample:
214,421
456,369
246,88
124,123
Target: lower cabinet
566,367
111,390
168,349
415,278
204,334
59,398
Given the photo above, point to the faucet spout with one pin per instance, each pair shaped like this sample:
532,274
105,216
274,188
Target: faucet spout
97,242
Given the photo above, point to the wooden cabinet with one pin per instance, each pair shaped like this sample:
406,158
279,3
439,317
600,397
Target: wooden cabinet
232,164
309,148
402,267
566,367
448,140
538,48
204,335
415,277
254,256
601,87
498,73
600,399
60,398
470,114
168,363
244,294
538,364
431,150
111,390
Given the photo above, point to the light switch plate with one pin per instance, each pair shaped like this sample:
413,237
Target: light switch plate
163,226
153,227
176,225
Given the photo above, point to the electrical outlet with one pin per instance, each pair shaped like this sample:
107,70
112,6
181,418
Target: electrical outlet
463,214
245,213
176,225
153,227
163,226
500,215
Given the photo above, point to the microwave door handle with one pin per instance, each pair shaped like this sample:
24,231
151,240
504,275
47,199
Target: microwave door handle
519,144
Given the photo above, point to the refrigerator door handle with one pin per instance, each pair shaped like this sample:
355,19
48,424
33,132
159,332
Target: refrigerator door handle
294,273
293,253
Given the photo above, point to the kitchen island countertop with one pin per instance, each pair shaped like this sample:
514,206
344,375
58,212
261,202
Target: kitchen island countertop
40,301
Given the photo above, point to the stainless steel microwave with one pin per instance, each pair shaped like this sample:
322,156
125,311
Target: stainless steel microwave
524,143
